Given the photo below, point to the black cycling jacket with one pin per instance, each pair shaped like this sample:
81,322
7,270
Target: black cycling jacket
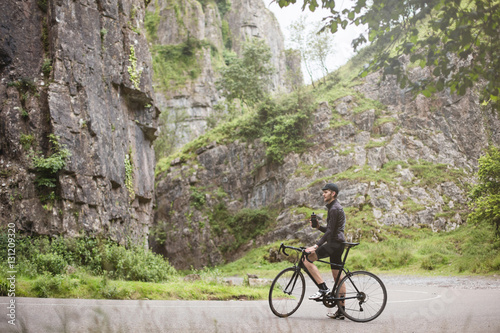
334,230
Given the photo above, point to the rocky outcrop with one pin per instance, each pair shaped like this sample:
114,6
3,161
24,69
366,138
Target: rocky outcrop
404,163
191,103
82,71
251,19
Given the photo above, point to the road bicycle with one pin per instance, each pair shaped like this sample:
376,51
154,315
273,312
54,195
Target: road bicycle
365,294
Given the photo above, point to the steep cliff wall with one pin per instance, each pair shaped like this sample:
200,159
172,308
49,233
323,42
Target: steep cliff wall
398,161
189,96
80,70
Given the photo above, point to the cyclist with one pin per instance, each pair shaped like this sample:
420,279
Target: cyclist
330,245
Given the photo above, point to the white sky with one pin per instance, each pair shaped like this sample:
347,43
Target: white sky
342,49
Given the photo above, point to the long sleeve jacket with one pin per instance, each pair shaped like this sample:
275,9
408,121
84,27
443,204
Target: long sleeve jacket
335,224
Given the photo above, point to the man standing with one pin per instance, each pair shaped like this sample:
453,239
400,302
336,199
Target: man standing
330,245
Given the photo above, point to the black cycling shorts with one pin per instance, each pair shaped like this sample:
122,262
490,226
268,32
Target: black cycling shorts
334,251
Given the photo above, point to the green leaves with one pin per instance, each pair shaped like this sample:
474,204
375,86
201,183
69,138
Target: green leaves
458,40
281,125
247,78
47,167
486,194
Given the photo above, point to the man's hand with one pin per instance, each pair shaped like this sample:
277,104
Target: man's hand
312,249
310,224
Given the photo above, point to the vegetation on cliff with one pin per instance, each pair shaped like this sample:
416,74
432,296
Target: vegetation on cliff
486,194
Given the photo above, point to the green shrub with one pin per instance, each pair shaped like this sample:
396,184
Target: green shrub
52,255
198,198
151,23
433,261
105,290
52,286
50,263
174,64
48,167
281,124
136,264
244,225
247,79
27,141
47,65
486,194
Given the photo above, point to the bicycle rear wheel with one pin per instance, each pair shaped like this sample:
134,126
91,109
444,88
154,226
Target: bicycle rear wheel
365,296
287,292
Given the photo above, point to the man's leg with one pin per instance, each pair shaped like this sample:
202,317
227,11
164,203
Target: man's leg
313,269
335,273
336,258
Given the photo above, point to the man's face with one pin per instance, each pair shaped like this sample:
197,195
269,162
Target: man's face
328,195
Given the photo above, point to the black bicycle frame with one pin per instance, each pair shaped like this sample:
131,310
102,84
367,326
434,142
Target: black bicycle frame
341,270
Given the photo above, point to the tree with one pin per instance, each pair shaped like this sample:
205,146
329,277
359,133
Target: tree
457,39
486,194
320,48
298,36
248,78
315,46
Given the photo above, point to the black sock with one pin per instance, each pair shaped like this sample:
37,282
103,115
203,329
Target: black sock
323,286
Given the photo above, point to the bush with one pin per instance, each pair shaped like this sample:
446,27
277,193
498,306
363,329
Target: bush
245,225
52,256
107,291
51,263
247,78
486,194
433,261
281,125
51,286
48,167
136,264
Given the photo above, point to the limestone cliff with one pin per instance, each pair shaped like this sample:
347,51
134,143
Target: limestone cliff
210,29
79,70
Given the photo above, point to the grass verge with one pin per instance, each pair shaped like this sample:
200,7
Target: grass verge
93,287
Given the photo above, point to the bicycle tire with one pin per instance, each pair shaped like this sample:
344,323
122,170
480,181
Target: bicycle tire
287,292
365,295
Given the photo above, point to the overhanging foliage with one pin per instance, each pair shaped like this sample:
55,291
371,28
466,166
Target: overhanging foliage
457,39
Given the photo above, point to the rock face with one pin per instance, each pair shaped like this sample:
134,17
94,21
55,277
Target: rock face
251,19
397,146
191,103
80,70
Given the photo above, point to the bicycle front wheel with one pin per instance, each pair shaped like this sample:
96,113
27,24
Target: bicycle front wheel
365,296
287,292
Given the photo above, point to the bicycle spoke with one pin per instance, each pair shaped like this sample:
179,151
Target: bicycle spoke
287,292
365,296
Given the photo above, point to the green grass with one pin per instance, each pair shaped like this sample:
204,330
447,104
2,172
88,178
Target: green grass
469,250
428,173
82,285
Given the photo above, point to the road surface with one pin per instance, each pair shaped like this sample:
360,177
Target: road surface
435,305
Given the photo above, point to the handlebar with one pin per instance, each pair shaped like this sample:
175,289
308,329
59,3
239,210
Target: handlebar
347,246
302,249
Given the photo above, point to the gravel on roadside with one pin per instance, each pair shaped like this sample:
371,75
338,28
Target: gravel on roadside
456,282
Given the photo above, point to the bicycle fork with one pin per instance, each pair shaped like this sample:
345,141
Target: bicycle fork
292,282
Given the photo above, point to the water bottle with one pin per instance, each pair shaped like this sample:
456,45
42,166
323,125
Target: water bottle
314,220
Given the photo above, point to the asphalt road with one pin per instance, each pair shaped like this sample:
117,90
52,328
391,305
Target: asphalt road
432,306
